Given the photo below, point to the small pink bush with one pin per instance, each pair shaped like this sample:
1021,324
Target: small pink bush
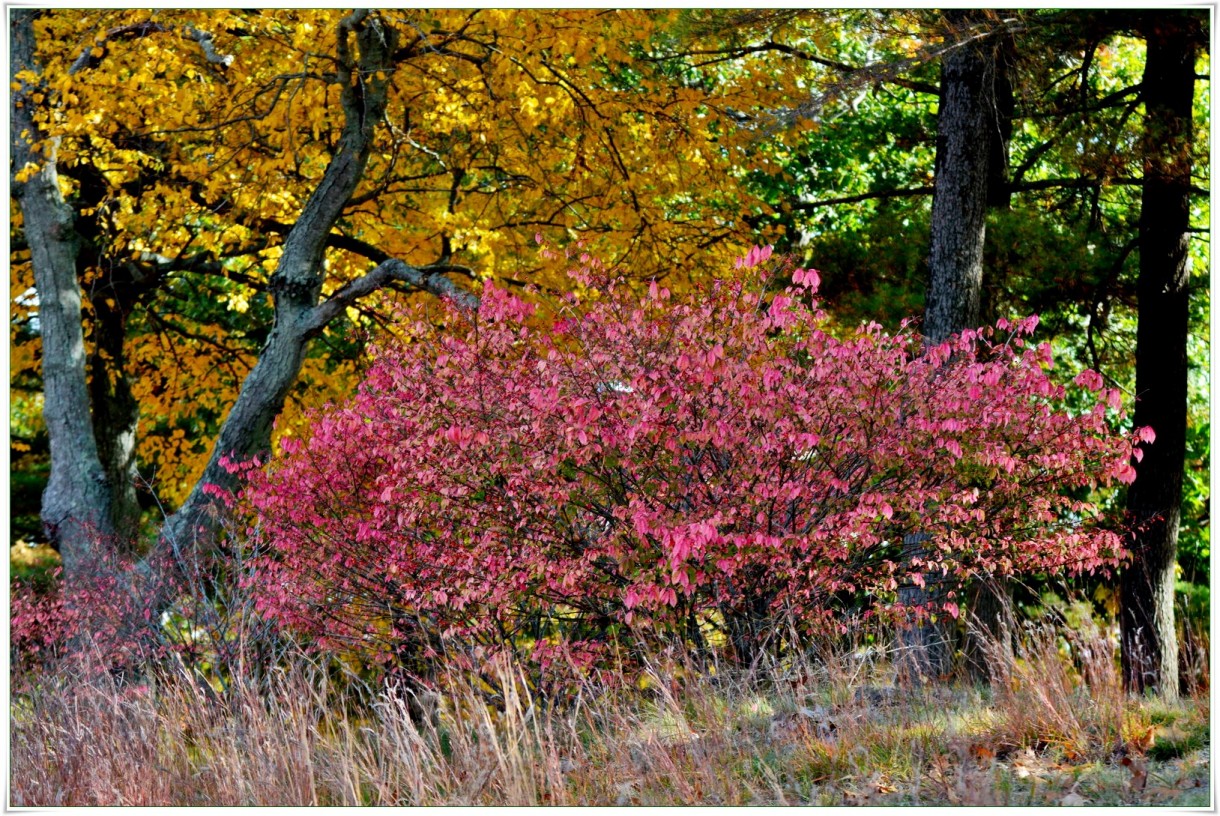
111,617
649,463
96,623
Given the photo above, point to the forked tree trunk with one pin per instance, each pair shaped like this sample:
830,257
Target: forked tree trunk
1149,639
77,509
296,285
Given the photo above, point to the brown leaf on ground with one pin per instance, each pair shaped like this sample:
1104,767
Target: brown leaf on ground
981,753
1139,773
1026,763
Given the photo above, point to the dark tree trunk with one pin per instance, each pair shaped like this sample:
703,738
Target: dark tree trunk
967,125
116,416
999,191
1149,640
971,158
113,294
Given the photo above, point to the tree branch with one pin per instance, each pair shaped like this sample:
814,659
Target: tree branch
1024,187
429,279
135,31
880,72
204,38
879,194
1084,183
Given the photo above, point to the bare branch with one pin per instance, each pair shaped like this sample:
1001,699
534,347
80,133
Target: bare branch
204,38
879,194
1024,187
429,279
880,72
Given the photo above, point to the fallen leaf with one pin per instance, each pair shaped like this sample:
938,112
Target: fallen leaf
1139,772
1026,763
982,753
1073,800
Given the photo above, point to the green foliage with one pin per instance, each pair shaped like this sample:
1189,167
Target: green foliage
27,479
1193,604
844,189
33,567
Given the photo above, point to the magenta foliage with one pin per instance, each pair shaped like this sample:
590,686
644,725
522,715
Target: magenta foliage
641,459
102,620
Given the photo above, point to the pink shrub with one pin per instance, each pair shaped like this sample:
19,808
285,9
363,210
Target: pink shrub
97,623
112,617
644,463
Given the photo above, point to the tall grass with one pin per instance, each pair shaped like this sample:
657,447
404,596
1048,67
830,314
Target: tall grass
831,727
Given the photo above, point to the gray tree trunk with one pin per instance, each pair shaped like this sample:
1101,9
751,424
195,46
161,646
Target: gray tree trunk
76,510
1149,638
296,285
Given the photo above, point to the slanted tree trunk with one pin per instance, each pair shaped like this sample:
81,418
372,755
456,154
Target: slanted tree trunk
296,284
76,507
1149,639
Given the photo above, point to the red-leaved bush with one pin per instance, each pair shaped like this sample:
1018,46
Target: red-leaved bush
98,622
640,463
117,618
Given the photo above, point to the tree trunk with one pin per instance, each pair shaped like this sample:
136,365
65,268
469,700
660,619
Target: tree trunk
79,508
113,294
969,135
76,503
116,417
927,648
1149,640
966,128
999,190
296,285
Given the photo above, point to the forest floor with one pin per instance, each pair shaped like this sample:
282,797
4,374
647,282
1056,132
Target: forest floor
1047,730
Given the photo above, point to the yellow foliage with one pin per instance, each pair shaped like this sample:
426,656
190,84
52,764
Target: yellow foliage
502,124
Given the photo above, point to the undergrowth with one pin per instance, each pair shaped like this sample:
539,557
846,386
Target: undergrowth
831,727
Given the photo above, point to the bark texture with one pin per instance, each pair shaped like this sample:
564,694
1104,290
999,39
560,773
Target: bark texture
967,127
971,158
116,417
92,430
76,509
1149,639
364,72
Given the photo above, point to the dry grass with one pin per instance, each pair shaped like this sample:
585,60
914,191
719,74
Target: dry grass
831,729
